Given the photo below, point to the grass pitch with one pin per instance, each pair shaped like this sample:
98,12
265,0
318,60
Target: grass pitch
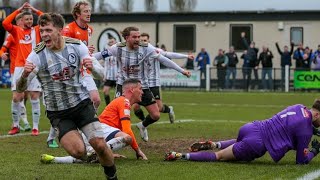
214,116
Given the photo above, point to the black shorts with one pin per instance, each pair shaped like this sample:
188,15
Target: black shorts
110,83
73,118
156,91
147,97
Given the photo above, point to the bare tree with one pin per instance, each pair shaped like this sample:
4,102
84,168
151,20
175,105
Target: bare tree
126,5
182,5
150,5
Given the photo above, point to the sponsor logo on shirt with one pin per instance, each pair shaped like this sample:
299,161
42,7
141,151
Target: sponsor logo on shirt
131,69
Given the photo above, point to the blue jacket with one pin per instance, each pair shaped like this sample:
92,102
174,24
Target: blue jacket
203,59
285,56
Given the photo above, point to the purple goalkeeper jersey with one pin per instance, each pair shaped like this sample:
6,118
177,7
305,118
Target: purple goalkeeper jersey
287,130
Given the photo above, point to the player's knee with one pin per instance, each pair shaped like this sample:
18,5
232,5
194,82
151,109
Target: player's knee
78,153
98,145
155,116
127,139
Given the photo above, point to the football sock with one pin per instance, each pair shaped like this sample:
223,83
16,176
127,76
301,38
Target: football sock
23,113
52,134
15,110
139,113
65,160
110,172
148,121
225,144
35,112
117,143
202,156
107,99
165,109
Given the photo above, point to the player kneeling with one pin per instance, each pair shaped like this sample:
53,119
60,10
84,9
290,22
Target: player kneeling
289,129
116,124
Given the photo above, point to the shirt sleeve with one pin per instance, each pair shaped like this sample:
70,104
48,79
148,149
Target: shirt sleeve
124,112
303,155
173,55
170,64
7,22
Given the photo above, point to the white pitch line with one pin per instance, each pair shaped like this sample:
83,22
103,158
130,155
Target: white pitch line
21,134
161,122
311,175
232,105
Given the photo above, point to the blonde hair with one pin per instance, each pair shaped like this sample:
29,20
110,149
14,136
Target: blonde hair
76,8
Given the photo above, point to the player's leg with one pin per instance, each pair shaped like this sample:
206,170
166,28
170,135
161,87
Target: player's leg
156,91
149,103
51,138
106,92
35,104
91,127
119,140
209,145
23,114
138,112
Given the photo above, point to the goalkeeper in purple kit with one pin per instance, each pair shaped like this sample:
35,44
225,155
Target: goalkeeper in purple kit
290,129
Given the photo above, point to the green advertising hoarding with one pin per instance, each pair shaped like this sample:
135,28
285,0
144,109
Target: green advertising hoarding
307,79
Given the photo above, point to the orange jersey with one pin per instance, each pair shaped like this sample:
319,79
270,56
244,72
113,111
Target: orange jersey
75,31
10,46
25,38
117,114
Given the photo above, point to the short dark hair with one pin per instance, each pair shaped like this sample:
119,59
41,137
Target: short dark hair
56,19
316,104
131,81
127,30
145,34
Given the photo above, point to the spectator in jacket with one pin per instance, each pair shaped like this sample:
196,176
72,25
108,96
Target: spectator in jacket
203,59
231,68
190,62
265,58
252,53
246,70
316,60
221,61
285,60
298,56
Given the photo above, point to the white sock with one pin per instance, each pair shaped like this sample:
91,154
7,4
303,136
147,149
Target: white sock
35,112
15,110
65,160
52,134
23,112
117,143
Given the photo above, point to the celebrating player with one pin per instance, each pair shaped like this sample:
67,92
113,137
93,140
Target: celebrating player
154,80
115,121
134,62
289,129
58,63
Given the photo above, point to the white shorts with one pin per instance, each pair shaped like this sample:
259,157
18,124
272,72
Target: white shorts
108,131
33,86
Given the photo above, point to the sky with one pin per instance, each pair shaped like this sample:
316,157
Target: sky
233,5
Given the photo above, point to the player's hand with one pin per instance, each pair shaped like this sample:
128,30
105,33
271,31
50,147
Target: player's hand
87,63
28,68
5,56
119,156
91,49
141,155
316,131
315,146
187,73
191,56
25,5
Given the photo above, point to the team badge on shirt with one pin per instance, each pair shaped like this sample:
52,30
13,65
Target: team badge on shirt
72,58
27,37
140,56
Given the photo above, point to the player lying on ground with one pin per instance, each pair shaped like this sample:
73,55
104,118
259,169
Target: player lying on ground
115,121
289,129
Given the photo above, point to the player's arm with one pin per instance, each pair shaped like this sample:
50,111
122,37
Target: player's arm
172,55
170,64
30,71
303,154
7,22
110,51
